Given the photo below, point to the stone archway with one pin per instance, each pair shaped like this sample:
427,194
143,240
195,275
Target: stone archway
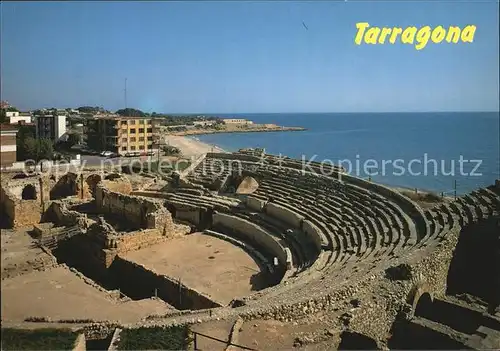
66,186
171,208
91,182
418,291
29,192
423,306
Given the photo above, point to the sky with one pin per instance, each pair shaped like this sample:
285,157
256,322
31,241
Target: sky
238,56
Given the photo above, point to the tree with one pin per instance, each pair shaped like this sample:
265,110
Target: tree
130,112
171,150
28,149
89,109
73,139
45,149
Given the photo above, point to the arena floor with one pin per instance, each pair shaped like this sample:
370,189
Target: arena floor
205,263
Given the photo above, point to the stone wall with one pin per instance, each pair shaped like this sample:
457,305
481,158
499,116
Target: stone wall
120,185
255,204
317,237
17,211
253,233
192,216
284,214
138,211
136,281
59,213
139,239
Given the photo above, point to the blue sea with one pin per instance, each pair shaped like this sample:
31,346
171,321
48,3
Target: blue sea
428,151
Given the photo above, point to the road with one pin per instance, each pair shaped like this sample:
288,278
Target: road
96,161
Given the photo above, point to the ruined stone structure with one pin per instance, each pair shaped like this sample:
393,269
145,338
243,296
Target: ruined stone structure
388,273
340,239
25,198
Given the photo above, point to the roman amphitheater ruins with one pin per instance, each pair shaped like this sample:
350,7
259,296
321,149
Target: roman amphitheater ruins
253,249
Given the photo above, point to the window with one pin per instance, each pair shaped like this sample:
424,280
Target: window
147,121
150,130
150,138
124,148
141,130
124,140
132,139
132,131
132,121
141,138
141,147
123,123
132,148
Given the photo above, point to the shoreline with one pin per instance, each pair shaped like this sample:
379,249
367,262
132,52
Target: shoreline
248,130
190,147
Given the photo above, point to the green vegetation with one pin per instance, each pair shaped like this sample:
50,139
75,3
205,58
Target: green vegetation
29,148
131,112
90,109
176,128
171,150
38,339
34,149
171,338
172,120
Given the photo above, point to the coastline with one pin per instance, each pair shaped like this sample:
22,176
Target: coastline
247,130
190,147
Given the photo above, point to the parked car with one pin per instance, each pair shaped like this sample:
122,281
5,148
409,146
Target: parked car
132,154
106,153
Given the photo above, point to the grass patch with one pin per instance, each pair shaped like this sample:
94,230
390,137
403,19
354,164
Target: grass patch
171,338
38,339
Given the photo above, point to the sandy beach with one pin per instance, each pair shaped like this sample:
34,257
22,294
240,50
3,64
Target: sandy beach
190,146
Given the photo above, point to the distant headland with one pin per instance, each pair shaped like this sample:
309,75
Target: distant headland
226,125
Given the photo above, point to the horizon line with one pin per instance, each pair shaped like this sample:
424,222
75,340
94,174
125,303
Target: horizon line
315,113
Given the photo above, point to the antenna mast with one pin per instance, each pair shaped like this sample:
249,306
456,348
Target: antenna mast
125,92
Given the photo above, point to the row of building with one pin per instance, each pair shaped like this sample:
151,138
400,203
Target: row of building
102,132
50,126
120,135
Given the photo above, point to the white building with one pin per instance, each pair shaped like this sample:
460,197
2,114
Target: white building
16,117
236,121
203,123
51,126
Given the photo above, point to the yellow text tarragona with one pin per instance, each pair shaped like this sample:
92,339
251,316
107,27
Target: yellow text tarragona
412,35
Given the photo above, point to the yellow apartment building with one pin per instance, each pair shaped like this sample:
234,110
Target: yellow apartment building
123,134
